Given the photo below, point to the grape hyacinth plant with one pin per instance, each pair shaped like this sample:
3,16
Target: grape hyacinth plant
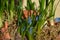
27,23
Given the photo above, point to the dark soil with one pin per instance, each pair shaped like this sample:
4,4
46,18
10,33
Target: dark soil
50,32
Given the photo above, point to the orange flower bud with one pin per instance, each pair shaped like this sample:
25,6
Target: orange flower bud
31,11
6,36
6,24
25,13
3,30
35,13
